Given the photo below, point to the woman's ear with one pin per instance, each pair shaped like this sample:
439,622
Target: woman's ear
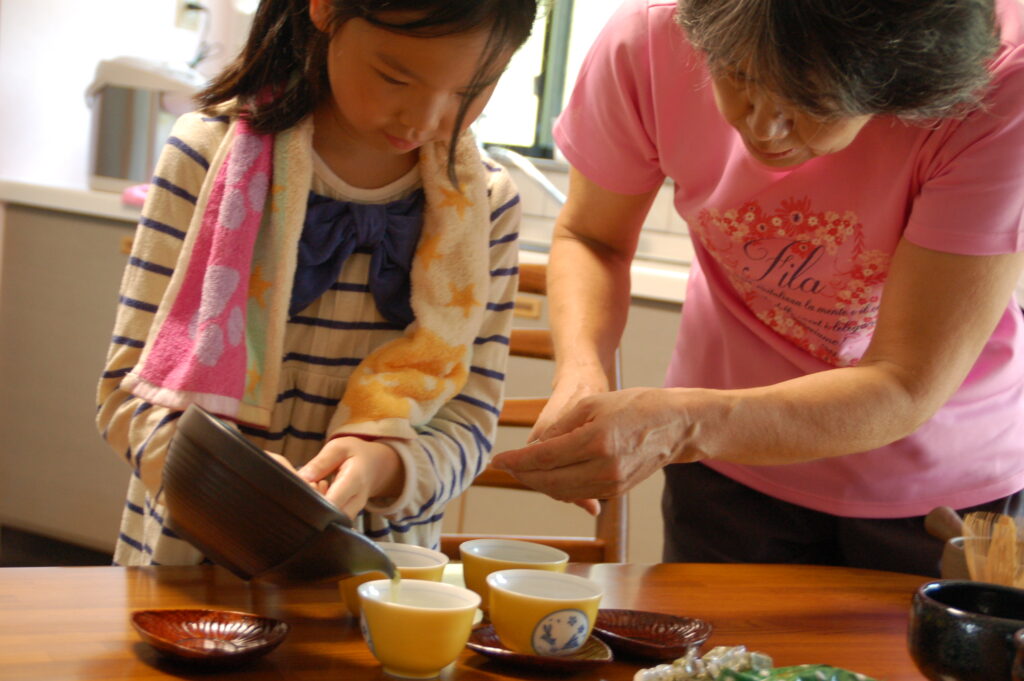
318,13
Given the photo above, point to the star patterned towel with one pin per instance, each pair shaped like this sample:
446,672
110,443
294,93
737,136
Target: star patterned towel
218,334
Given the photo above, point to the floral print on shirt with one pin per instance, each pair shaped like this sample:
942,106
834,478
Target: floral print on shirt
806,274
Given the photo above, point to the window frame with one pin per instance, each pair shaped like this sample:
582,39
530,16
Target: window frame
550,83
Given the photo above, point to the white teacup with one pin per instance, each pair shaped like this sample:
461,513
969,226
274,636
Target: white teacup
538,612
419,628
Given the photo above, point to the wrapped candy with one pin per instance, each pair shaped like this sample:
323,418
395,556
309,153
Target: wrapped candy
709,666
736,663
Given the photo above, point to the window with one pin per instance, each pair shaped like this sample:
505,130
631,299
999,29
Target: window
525,104
532,92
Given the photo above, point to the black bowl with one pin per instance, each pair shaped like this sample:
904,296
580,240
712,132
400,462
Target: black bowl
1018,662
251,515
963,631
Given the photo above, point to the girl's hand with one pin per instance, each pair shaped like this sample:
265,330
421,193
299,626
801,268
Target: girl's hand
320,486
362,470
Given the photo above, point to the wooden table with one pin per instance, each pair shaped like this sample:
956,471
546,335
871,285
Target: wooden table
73,623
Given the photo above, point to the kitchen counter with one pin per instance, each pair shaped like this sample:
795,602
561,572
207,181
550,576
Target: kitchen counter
67,199
651,281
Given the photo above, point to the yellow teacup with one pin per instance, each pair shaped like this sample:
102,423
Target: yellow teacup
412,562
542,613
419,630
481,557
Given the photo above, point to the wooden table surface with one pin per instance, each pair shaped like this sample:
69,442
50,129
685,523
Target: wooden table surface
73,623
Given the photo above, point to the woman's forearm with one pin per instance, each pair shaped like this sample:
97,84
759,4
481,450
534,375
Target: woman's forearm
937,313
592,247
588,292
826,414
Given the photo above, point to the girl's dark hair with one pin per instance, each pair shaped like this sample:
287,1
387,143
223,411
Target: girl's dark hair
287,55
915,59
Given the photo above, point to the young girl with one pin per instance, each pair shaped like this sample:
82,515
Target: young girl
325,260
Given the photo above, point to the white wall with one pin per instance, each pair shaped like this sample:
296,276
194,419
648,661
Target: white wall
49,50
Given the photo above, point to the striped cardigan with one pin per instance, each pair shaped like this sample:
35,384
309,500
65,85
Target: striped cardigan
323,344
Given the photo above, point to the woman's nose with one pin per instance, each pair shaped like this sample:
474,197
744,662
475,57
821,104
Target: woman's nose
767,121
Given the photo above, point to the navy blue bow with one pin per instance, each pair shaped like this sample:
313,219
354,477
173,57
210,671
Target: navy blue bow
333,230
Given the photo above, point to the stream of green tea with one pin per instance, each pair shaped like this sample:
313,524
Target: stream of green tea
396,587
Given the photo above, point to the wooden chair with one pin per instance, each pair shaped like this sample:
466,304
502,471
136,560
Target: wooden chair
608,542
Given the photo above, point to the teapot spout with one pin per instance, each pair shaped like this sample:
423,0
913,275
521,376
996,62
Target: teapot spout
335,553
365,556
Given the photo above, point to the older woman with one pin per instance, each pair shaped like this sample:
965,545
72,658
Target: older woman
850,353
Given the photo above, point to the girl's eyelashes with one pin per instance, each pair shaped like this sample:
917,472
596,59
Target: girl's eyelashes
388,79
465,94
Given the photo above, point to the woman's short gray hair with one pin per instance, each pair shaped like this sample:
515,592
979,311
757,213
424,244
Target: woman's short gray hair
915,59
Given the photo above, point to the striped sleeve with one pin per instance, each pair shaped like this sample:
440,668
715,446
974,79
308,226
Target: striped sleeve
134,428
456,445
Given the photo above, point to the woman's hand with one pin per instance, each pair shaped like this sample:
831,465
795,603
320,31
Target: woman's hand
362,470
567,392
602,446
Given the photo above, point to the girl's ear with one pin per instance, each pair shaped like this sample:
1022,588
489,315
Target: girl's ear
318,13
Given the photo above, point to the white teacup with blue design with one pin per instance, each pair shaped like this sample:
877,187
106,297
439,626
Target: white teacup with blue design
542,613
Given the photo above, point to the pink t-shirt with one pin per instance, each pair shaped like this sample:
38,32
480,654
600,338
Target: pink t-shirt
791,262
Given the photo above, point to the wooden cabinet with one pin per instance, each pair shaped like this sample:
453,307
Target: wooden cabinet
59,279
